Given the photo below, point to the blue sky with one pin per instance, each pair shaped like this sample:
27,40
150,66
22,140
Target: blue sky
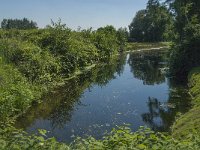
84,13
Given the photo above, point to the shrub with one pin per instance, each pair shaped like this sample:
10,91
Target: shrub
37,65
16,95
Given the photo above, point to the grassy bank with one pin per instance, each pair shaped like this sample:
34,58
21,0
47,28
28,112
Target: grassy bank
188,123
140,46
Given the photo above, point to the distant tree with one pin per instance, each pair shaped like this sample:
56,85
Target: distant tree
18,24
4,24
137,27
106,40
122,36
151,24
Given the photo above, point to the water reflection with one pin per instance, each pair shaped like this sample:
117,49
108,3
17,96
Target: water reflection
161,115
108,71
131,88
147,66
58,106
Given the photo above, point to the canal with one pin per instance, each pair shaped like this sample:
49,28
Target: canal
131,89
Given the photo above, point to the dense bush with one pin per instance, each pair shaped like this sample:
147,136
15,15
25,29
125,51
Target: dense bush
74,49
105,39
185,54
43,58
37,65
120,138
11,138
16,94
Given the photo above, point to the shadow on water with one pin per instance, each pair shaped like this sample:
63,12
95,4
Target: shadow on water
147,66
58,106
131,88
161,115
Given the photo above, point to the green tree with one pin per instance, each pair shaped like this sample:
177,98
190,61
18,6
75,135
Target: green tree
151,24
122,36
106,41
137,27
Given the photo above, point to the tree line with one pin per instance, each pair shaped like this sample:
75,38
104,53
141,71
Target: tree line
18,24
173,20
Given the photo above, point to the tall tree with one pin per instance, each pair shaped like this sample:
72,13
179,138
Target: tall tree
137,27
151,24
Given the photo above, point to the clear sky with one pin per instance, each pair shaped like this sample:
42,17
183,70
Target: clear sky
84,13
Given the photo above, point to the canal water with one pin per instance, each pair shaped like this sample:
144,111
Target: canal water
131,89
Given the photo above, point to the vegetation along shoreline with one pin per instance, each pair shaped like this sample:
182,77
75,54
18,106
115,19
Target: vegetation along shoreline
35,61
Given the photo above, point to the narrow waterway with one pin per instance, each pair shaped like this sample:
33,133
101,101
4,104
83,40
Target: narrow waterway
131,89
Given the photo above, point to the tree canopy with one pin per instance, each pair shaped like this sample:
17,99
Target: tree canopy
152,24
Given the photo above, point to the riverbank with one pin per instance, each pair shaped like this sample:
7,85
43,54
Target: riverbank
119,138
130,47
134,46
46,58
188,124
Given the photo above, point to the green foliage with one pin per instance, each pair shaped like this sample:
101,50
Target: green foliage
37,65
18,24
137,26
74,49
11,138
189,122
44,58
120,138
106,41
122,35
152,24
32,61
185,54
194,84
16,93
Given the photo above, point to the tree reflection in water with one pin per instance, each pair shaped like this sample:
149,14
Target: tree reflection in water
147,66
58,106
162,115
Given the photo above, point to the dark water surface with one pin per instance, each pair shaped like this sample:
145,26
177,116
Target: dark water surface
131,89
